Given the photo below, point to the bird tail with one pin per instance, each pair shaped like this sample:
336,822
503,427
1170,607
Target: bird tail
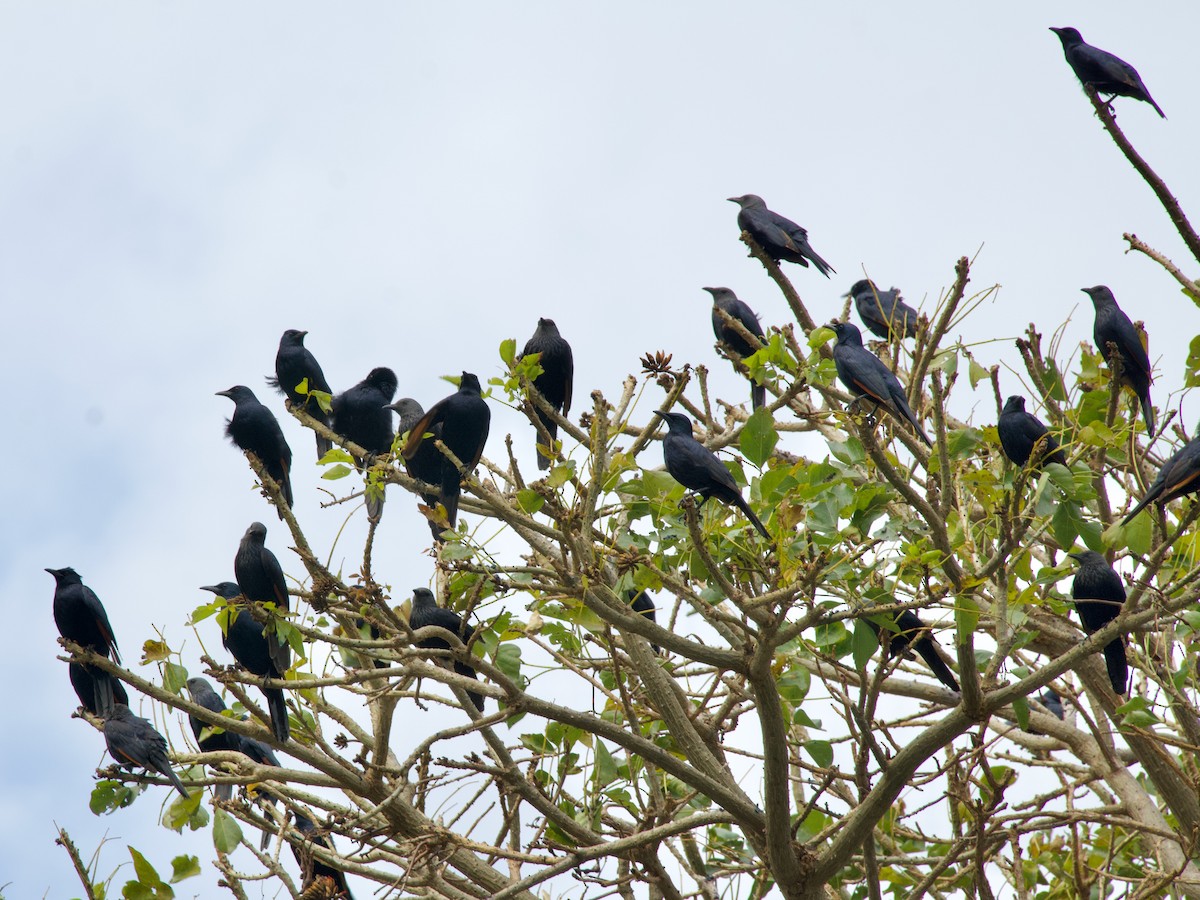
223,791
105,699
170,773
324,445
745,507
933,659
451,485
279,714
545,461
1147,412
1117,665
1157,108
374,497
1141,504
475,697
758,395
823,267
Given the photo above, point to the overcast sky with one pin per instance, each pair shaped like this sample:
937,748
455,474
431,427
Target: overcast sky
413,183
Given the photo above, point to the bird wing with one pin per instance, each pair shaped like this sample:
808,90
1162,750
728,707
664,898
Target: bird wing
1185,469
424,425
96,608
568,386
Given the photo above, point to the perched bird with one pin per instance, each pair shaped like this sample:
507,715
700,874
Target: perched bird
641,603
1020,432
81,617
1052,702
558,371
779,238
726,300
425,611
426,465
264,756
698,469
1114,327
464,419
865,375
1101,71
260,578
83,680
361,415
255,651
1179,475
202,694
254,428
294,363
311,867
915,634
883,312
1099,594
132,741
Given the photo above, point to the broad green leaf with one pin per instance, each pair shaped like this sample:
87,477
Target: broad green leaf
865,643
184,867
155,651
175,677
605,770
336,455
530,501
1021,708
821,752
109,795
758,437
508,351
144,871
338,471
508,660
227,834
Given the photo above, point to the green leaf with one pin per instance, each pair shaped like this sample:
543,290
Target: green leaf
560,475
508,660
865,643
758,437
182,812
821,752
1021,708
339,471
1138,534
530,501
508,351
336,454
202,612
976,373
154,651
142,868
605,770
184,867
109,795
966,615
227,834
175,677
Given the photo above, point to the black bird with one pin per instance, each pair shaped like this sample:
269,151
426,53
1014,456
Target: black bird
360,415
81,617
256,651
1020,432
203,694
1052,702
1101,71
865,375
264,756
643,605
555,382
910,626
260,578
698,469
255,428
426,465
1179,476
1114,327
83,680
779,238
311,867
132,741
883,312
464,419
425,611
293,364
726,300
1099,595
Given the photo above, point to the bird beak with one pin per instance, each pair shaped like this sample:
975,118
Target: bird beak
847,295
1075,555
52,571
658,412
221,394
304,334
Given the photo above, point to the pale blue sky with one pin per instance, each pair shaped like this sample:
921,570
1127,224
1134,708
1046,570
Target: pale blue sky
182,182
